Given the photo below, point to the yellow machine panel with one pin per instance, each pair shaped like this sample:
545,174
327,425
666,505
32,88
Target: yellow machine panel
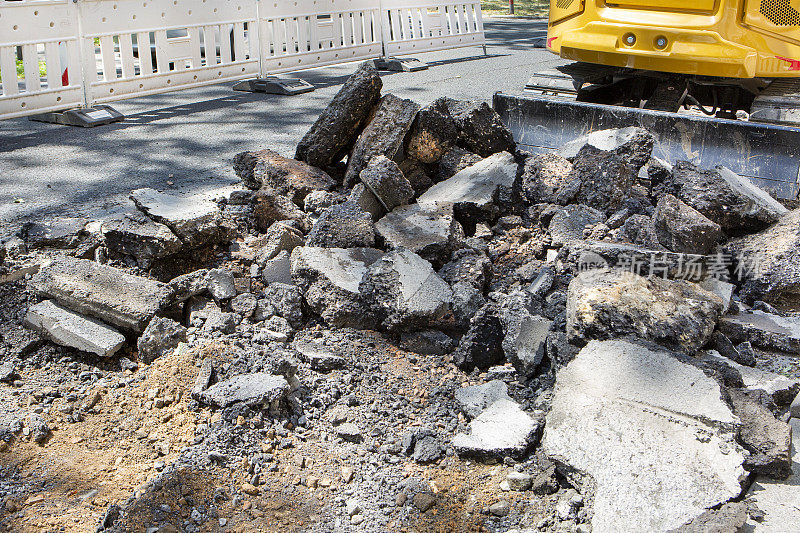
561,9
677,5
724,38
778,17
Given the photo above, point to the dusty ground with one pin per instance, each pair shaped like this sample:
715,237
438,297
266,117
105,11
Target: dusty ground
135,424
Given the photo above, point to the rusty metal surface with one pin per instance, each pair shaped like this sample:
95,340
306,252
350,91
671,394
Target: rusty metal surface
765,153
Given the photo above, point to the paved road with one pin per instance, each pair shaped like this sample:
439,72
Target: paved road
192,135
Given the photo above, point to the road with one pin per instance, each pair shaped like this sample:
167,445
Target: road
188,138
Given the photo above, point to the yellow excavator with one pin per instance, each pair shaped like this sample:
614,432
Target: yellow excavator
717,82
724,38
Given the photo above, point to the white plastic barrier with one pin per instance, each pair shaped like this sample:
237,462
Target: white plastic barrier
411,26
312,33
99,51
158,46
37,27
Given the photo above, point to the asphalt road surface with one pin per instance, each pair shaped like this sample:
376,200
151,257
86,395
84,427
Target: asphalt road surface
189,137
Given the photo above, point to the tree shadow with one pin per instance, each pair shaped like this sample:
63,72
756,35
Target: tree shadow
189,138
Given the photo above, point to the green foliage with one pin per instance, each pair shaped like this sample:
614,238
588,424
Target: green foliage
522,8
21,70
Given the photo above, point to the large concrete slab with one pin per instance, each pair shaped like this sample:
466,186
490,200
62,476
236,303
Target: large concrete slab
650,435
475,185
102,291
68,328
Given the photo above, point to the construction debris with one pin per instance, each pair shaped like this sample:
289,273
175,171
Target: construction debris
412,325
605,304
325,143
650,432
68,328
104,292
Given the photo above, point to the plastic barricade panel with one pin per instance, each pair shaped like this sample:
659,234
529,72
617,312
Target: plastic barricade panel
60,54
423,26
313,33
139,48
39,58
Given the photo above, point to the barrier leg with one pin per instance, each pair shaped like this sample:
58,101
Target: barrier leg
83,117
275,85
88,116
400,64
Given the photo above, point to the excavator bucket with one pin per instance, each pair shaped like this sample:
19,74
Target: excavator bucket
765,153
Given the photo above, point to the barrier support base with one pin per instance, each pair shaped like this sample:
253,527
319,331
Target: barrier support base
274,85
88,117
400,64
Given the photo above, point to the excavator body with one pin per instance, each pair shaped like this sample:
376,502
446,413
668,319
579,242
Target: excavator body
722,38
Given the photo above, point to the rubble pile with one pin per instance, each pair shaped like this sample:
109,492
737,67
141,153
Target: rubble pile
414,325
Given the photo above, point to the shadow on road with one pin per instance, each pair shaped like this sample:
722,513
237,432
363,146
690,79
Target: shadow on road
319,80
189,137
515,34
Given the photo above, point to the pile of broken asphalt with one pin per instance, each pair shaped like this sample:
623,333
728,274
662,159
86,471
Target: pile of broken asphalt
410,326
